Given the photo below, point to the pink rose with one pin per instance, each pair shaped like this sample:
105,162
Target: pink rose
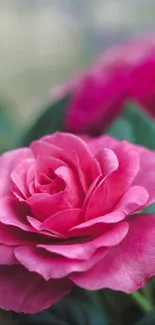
67,216
123,72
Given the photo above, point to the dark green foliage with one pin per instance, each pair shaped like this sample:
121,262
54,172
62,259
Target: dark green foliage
135,126
50,120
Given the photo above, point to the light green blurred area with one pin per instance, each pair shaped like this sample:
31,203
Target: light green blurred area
44,42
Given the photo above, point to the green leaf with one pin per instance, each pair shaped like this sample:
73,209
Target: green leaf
148,320
120,308
49,121
135,126
150,209
122,129
7,128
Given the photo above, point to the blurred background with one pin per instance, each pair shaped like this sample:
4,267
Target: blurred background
43,42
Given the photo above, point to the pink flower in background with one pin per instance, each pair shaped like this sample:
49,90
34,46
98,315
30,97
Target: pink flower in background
67,216
123,72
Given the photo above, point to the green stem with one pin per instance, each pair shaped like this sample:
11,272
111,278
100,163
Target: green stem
142,302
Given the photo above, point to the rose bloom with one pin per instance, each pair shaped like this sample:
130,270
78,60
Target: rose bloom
68,216
125,72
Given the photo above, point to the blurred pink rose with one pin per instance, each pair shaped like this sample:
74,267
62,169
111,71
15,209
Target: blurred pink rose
67,216
123,72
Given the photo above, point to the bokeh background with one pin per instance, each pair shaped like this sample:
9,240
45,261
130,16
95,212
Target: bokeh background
43,42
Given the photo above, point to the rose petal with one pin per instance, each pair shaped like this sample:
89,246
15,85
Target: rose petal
14,213
62,221
83,250
36,224
70,197
45,166
95,205
128,266
145,176
44,163
43,148
53,267
96,144
27,292
72,185
8,162
73,151
135,198
89,108
30,178
10,235
7,256
121,179
95,226
108,161
69,141
18,177
43,205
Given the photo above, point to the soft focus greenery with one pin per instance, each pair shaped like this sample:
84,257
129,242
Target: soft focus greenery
135,126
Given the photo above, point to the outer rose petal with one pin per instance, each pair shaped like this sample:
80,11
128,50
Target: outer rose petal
8,162
128,266
96,144
145,176
27,292
135,198
84,250
121,179
7,255
51,267
111,190
13,213
14,236
97,225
